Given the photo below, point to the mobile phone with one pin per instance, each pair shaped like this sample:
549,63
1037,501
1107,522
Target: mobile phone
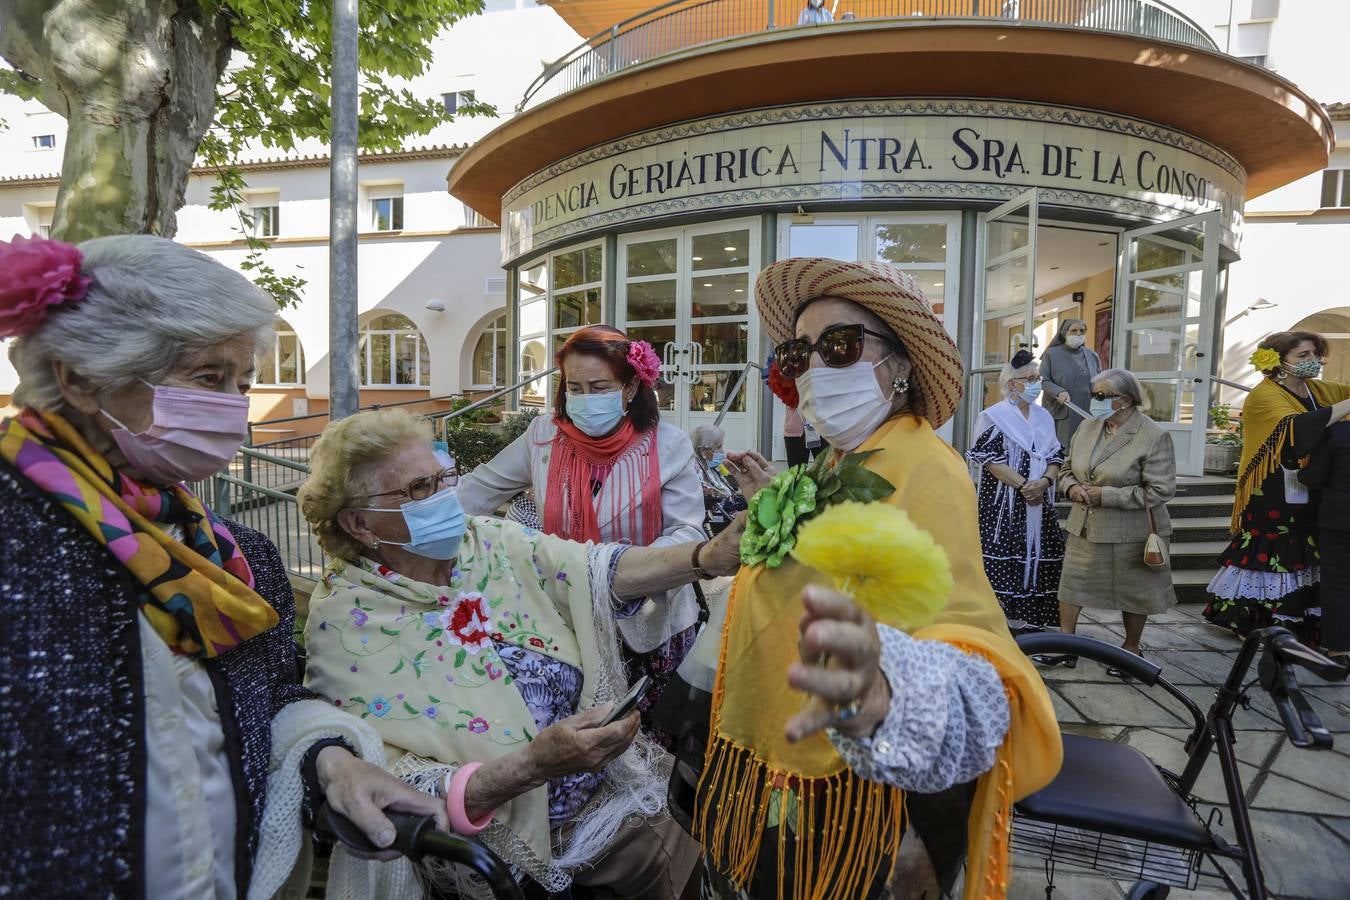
628,703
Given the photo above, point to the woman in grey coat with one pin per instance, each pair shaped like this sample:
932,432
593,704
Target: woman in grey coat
1120,464
1067,370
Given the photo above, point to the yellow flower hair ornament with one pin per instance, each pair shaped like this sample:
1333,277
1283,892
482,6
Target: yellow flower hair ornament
1265,359
876,554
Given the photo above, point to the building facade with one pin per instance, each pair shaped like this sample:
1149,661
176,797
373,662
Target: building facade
1087,159
431,293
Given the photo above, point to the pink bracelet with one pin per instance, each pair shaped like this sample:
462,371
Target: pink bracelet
454,801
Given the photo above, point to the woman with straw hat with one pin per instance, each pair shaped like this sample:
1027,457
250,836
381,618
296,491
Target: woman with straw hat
935,729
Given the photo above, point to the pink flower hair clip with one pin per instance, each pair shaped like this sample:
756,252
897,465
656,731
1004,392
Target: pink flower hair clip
37,275
644,361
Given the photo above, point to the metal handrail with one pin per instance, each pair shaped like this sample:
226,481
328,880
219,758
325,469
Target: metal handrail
676,25
1231,384
443,420
735,390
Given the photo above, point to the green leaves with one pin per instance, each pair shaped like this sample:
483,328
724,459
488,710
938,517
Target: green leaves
798,494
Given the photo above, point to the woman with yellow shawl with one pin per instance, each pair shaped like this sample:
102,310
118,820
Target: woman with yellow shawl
817,801
1271,568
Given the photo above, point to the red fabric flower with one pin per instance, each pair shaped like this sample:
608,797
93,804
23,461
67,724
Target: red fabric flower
466,622
644,361
35,275
536,642
783,388
1263,557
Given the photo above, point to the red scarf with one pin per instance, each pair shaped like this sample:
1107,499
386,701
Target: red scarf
570,507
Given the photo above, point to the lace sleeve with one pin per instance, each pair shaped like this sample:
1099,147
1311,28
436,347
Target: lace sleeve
948,717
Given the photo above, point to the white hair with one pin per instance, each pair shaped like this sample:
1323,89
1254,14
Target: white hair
1124,383
151,301
706,437
1008,373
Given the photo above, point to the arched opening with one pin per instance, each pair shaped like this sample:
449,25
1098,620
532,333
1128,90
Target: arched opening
489,356
1334,325
533,358
283,364
393,353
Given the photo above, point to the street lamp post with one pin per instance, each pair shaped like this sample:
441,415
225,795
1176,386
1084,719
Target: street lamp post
343,390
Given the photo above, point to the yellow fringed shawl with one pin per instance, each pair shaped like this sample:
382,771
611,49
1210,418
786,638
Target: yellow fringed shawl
749,760
1267,431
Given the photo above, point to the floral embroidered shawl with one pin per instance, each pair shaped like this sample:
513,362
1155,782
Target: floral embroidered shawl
420,663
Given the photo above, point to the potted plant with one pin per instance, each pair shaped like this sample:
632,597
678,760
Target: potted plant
1223,444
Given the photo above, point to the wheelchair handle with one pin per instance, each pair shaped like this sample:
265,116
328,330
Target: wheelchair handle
1290,652
1144,671
417,837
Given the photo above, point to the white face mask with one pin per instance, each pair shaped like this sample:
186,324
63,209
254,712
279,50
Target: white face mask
845,405
1074,340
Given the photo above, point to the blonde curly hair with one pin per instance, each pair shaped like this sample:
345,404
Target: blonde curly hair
347,452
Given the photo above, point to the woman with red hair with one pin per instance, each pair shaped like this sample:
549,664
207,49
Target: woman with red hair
609,470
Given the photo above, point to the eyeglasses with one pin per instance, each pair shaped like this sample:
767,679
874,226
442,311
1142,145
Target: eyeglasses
1030,379
838,346
1098,395
424,486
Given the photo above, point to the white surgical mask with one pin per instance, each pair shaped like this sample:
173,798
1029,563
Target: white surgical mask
1031,392
845,405
1074,340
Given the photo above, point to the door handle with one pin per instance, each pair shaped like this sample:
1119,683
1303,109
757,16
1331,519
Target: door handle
668,363
695,352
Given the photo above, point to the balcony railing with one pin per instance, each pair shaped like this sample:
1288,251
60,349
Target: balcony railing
680,24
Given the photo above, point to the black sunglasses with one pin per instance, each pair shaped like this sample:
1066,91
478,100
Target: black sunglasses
1098,395
838,346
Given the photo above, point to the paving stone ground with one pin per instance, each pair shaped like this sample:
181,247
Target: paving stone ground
1299,799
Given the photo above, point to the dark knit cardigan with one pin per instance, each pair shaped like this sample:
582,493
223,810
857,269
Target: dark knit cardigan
72,706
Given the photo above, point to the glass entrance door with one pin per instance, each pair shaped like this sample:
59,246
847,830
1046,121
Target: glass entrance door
689,293
1006,315
1168,278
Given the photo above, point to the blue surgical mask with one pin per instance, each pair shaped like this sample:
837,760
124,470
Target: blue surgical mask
436,524
1031,392
717,460
596,414
1102,409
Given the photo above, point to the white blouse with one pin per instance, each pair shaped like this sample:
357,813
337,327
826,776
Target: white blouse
190,815
524,464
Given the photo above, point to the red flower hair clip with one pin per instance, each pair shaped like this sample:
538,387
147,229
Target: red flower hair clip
644,361
783,388
37,275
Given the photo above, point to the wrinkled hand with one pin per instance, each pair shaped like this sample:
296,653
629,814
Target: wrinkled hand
753,472
1078,495
722,555
1033,492
1094,494
837,632
362,791
578,743
1062,397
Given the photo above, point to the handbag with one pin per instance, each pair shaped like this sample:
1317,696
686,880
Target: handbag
1155,551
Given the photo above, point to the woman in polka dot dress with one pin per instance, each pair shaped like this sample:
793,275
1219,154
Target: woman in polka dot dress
1019,456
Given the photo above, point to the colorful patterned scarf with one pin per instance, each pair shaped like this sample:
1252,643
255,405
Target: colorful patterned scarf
627,457
197,593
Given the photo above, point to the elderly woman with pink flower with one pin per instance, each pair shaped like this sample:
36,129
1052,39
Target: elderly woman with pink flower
608,469
485,652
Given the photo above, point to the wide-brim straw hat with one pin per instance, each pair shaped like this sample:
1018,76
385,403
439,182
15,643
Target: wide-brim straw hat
886,291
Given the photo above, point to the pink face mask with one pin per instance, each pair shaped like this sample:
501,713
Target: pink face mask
193,435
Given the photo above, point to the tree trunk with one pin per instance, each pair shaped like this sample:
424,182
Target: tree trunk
136,82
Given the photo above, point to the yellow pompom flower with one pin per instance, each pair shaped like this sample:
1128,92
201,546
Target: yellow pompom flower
876,554
1265,359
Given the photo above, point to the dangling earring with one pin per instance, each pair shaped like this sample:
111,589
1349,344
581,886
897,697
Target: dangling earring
900,384
1281,375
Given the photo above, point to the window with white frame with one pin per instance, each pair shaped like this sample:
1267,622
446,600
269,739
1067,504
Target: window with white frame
45,214
284,363
533,347
44,142
457,100
489,356
266,219
384,206
474,219
392,353
1335,188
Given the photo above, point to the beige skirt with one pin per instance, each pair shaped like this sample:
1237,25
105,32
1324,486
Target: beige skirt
1113,576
